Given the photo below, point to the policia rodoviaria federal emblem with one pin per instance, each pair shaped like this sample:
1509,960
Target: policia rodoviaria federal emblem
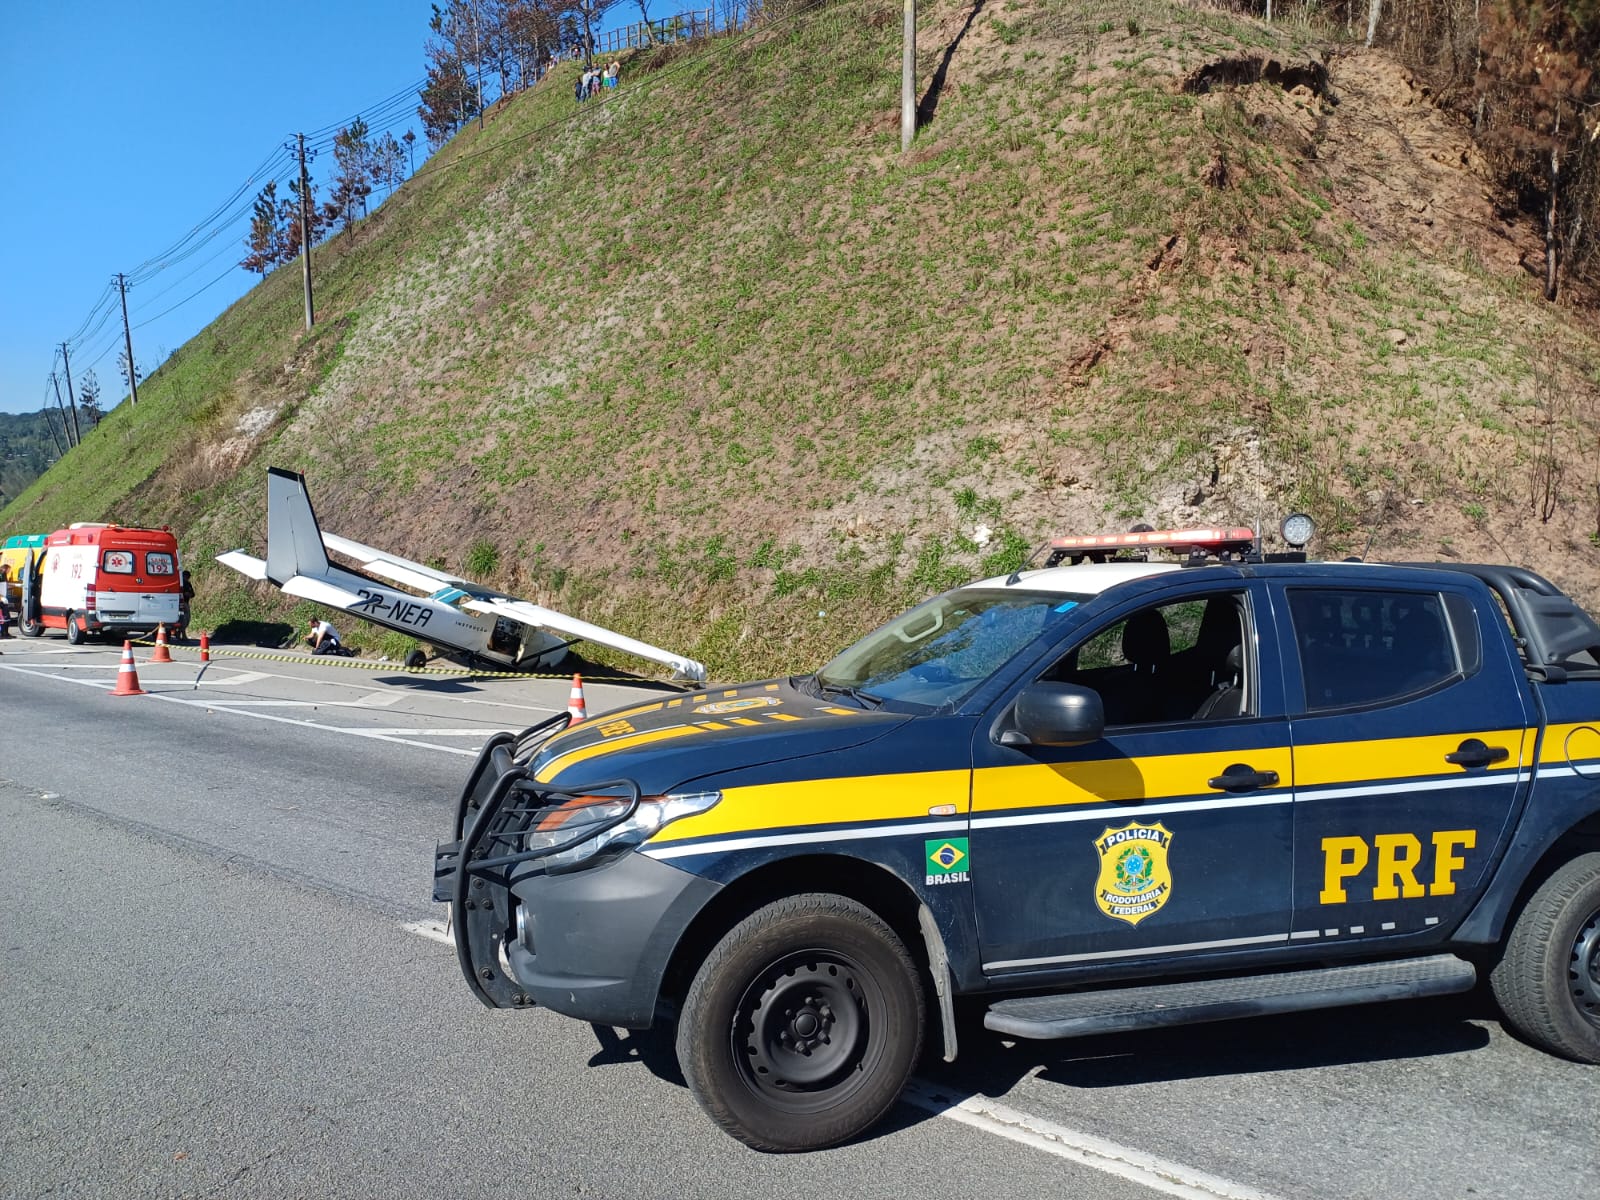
1134,879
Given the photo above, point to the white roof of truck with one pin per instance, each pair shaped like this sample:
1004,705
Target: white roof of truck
1086,578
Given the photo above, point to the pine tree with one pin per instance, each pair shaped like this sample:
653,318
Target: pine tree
289,219
89,398
352,182
266,233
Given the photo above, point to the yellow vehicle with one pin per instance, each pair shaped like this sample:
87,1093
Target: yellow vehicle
15,555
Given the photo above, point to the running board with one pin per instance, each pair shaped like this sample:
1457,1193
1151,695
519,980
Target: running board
1076,1014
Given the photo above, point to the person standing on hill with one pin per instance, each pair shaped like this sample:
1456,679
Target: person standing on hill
612,72
582,89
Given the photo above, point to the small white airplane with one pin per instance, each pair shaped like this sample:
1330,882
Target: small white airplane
459,618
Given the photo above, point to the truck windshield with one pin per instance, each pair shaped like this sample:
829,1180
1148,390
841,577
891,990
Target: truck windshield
937,654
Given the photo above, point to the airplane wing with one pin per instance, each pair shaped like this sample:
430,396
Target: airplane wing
245,564
391,566
534,614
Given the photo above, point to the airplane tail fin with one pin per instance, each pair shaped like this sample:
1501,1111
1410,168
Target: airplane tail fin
294,539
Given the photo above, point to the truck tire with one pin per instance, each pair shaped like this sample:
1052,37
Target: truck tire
1547,981
76,633
802,1025
28,627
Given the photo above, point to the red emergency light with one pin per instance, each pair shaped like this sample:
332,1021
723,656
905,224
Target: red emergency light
1222,542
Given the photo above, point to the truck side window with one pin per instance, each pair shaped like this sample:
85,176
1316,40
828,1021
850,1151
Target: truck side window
1361,647
1173,662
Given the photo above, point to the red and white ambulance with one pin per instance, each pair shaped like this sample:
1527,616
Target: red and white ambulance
103,580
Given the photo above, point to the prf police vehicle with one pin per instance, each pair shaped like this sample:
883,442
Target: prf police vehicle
1094,797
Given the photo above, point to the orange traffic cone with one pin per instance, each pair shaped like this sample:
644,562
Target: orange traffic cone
161,654
205,647
127,675
575,707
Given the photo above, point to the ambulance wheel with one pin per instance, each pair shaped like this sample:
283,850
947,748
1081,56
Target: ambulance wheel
416,659
802,1025
1547,981
28,627
76,633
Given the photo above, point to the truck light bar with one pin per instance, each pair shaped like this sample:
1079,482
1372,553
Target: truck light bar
1205,539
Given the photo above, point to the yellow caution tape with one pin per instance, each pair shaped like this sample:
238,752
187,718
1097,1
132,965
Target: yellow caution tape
373,664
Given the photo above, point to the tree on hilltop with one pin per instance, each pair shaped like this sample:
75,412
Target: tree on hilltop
353,179
289,218
89,398
448,99
388,162
266,233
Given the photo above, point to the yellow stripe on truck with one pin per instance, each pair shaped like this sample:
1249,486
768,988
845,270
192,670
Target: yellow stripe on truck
819,802
1395,758
1117,780
562,761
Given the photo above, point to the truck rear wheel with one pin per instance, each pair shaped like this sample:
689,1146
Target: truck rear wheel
1547,981
75,630
802,1025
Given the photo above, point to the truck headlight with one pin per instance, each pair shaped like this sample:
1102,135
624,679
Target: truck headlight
614,827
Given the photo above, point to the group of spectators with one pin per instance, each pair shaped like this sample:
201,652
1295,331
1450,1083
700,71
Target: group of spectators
596,77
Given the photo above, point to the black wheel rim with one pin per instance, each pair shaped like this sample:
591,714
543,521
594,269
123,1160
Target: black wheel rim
803,1036
1584,969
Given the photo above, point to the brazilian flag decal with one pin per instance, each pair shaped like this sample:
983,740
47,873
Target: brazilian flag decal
948,860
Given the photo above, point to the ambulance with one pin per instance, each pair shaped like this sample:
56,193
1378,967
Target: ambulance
101,580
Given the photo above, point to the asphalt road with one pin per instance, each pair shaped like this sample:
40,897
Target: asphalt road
215,979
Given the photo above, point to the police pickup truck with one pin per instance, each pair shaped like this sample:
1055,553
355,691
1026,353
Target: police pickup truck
1095,796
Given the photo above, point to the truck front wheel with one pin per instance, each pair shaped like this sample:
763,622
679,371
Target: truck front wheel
1547,981
802,1025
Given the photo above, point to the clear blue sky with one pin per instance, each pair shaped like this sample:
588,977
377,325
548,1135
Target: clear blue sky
127,125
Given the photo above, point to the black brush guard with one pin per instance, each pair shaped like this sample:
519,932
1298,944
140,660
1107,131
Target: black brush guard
473,873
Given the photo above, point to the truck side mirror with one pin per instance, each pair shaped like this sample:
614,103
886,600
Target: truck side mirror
1056,714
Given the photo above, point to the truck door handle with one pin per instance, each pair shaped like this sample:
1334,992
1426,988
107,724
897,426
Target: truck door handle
1473,753
1242,777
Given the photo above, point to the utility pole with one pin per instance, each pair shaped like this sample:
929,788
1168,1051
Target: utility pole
51,426
71,400
908,77
66,429
305,232
410,139
127,340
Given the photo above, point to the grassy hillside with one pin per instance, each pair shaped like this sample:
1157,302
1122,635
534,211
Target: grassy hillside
710,361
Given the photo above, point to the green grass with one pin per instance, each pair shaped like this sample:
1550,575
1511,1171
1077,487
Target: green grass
712,363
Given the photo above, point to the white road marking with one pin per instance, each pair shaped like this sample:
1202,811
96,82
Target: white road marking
213,706
474,733
434,931
1148,1170
544,708
981,1113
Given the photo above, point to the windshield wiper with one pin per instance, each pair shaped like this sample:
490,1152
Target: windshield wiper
864,699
